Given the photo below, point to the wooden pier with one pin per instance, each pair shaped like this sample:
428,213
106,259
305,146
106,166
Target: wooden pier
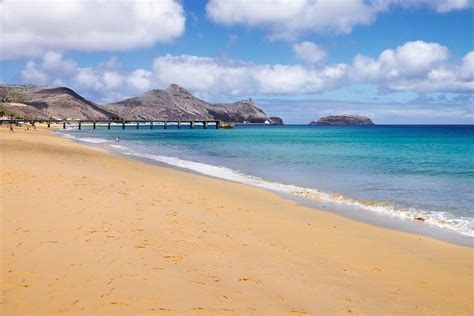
123,123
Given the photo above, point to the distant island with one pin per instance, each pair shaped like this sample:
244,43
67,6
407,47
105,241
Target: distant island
343,120
172,103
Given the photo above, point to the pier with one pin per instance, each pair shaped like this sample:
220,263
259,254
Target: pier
137,124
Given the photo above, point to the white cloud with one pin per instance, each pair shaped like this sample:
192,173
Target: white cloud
233,78
309,52
140,79
468,66
32,75
53,62
30,28
88,78
203,74
418,57
289,18
107,81
296,79
414,66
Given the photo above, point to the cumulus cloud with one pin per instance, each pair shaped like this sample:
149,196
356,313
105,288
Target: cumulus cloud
107,81
309,52
140,79
30,28
32,75
201,74
230,77
297,79
289,18
414,66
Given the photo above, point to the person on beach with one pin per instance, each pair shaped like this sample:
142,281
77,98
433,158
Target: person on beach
11,129
117,140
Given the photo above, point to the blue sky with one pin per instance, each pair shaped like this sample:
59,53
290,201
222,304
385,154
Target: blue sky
398,61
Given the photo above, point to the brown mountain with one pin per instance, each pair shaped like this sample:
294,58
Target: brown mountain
175,102
46,102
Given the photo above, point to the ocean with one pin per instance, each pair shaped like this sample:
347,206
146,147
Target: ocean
420,177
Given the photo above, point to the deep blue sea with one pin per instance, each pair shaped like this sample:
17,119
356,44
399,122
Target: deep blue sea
403,172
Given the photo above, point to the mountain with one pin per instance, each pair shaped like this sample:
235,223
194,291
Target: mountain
46,102
173,103
343,120
177,103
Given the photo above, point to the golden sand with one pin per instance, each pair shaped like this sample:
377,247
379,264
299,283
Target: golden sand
86,232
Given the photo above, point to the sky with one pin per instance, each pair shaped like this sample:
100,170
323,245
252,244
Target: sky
396,61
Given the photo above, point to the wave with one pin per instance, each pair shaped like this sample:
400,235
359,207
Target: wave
462,225
92,140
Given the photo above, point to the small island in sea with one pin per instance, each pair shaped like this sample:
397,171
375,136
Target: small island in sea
341,120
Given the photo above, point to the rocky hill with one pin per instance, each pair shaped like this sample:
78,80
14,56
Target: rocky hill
343,120
175,103
46,102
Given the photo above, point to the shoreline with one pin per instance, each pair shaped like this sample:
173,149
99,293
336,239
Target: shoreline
99,233
394,221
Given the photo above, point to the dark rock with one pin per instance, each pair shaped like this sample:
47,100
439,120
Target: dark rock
276,120
343,120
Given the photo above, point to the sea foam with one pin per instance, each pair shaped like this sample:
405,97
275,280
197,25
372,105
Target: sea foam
92,140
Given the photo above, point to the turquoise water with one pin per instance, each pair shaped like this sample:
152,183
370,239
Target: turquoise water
404,171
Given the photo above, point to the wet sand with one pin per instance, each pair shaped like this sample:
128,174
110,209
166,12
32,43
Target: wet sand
87,232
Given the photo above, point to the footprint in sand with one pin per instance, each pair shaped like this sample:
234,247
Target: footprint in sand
174,259
250,280
161,309
278,298
214,279
298,311
223,297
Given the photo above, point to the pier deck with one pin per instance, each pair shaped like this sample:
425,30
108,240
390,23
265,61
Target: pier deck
123,123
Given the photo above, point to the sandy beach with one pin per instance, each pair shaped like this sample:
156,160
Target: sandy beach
87,232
